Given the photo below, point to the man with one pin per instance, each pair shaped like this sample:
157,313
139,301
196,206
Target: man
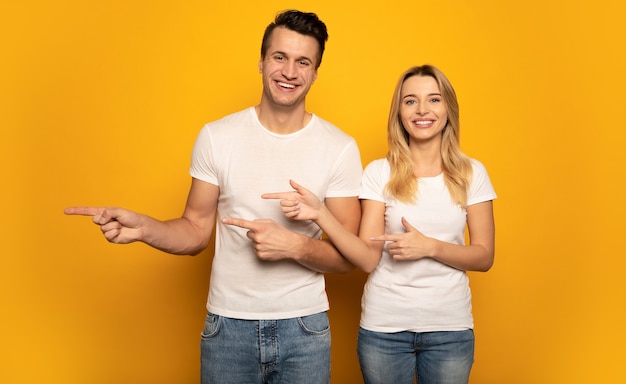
267,302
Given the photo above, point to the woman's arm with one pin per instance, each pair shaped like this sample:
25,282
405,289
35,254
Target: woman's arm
477,256
359,250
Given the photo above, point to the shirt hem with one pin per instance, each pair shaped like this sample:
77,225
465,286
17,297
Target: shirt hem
267,316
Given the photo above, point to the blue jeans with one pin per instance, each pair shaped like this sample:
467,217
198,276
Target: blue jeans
436,357
293,351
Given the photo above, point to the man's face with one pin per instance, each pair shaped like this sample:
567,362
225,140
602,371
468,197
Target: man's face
289,67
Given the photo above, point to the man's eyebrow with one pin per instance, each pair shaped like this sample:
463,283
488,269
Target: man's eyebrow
281,53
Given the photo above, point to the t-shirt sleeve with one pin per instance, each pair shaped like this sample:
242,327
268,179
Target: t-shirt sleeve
202,160
346,179
374,179
481,188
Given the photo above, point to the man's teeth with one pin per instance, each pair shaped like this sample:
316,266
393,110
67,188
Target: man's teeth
285,85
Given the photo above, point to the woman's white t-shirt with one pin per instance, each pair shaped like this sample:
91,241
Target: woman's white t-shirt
420,295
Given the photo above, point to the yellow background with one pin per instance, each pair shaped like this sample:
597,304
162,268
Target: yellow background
100,102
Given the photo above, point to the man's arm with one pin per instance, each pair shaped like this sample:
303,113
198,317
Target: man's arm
322,255
274,242
187,235
361,250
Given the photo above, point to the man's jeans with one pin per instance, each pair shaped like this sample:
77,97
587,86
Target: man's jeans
437,357
286,351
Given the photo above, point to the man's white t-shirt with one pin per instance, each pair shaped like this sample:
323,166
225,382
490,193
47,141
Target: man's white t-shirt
245,160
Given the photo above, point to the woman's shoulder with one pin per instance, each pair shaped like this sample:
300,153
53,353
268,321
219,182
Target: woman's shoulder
378,164
377,171
477,166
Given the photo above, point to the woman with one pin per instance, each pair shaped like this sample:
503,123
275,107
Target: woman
416,204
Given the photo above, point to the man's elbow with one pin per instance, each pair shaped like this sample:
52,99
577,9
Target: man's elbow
194,249
339,265
343,267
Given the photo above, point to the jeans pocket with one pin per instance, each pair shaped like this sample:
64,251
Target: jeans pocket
212,325
316,324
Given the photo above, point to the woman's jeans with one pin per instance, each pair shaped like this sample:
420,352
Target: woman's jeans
288,351
436,357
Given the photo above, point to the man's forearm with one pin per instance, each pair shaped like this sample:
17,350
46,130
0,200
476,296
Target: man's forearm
321,256
178,236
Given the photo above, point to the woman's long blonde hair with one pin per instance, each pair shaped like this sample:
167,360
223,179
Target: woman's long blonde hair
457,168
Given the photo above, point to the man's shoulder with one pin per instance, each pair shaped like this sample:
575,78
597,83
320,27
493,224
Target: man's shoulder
230,122
243,114
332,129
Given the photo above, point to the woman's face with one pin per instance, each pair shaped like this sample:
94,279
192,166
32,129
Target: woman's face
422,110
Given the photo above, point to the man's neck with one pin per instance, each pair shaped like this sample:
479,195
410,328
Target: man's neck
282,120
